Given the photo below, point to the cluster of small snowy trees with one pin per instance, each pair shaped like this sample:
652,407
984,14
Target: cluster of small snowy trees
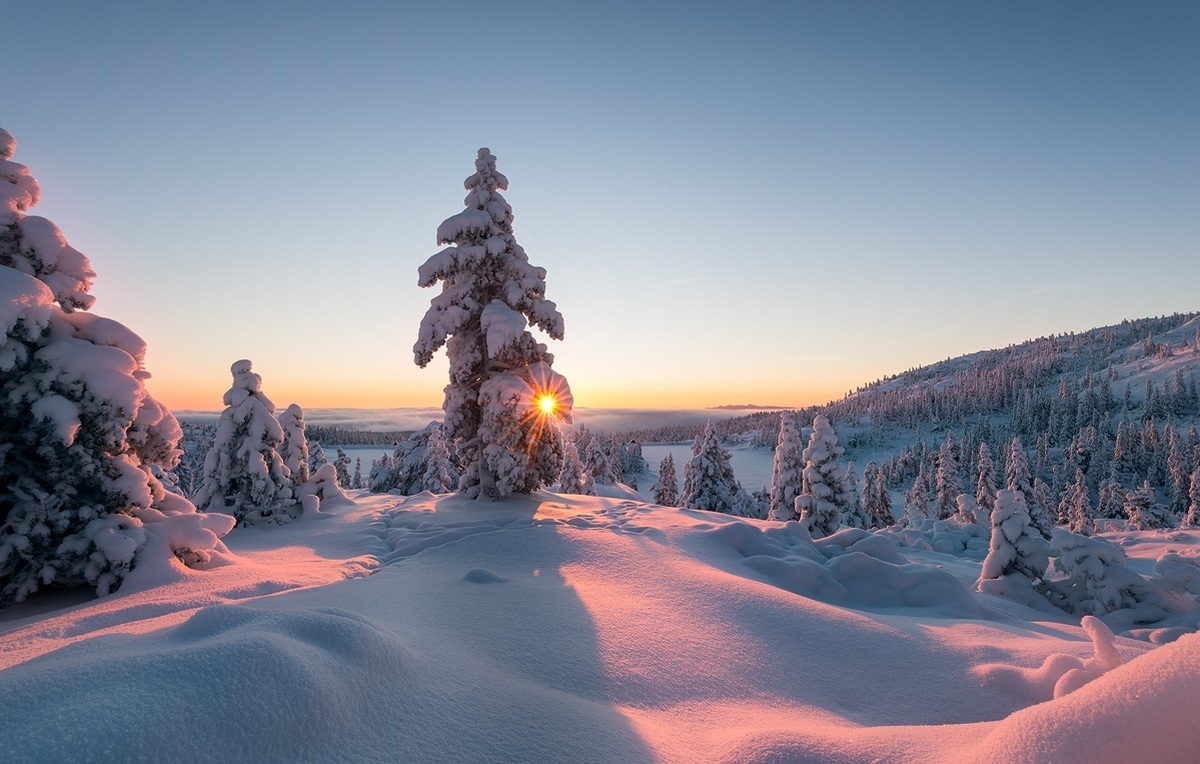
504,400
258,467
84,445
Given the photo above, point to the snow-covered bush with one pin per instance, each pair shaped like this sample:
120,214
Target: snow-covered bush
824,495
708,481
1096,580
503,401
322,484
244,474
81,440
665,490
787,475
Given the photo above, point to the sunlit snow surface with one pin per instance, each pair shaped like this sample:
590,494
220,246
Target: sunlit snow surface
556,628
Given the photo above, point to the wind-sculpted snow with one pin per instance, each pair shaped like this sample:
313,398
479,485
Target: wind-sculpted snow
580,628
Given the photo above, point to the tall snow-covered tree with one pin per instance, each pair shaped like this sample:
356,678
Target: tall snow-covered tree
824,496
708,481
916,500
1016,545
665,490
504,400
787,477
82,442
316,457
294,449
244,474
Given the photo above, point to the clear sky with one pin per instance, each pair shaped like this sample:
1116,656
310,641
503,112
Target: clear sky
735,202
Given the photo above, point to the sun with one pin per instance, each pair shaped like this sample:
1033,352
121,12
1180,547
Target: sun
547,404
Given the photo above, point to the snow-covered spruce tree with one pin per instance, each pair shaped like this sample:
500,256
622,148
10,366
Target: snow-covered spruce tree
708,481
823,496
244,474
81,440
854,516
356,480
439,476
1016,545
1192,518
574,478
916,500
665,490
504,401
948,482
1079,515
877,502
294,449
597,462
316,457
1018,479
1144,511
341,466
985,483
787,477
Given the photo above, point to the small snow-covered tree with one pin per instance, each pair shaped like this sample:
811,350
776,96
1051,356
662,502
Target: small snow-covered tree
1019,479
1111,504
824,496
949,483
708,481
598,463
985,483
1144,511
1077,509
787,476
1016,546
341,465
916,500
854,516
575,478
243,473
969,511
1192,518
665,490
316,457
356,480
877,501
439,475
83,445
503,401
294,449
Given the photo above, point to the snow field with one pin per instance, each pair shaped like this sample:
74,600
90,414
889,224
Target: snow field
553,627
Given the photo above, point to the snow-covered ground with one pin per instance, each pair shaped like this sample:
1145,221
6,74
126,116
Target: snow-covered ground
569,628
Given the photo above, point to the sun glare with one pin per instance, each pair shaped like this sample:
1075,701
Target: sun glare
547,404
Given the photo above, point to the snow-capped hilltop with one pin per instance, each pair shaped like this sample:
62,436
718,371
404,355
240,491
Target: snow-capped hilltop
1128,353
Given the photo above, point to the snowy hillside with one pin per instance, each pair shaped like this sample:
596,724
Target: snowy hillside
570,628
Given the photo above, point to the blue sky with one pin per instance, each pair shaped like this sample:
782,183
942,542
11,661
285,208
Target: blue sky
752,202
